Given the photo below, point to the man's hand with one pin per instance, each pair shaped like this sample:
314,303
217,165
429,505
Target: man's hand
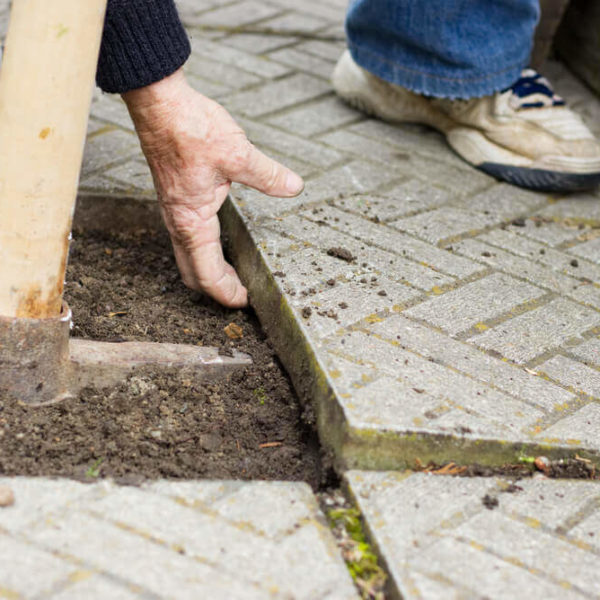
195,150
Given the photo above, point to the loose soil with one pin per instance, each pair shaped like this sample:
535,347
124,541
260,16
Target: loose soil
125,288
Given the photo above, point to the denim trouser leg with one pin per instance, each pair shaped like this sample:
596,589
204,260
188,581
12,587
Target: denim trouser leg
447,48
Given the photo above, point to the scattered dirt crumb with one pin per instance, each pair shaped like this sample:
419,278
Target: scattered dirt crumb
341,253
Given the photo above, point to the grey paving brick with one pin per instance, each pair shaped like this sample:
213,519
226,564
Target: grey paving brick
464,406
212,89
585,209
153,567
331,11
112,109
471,361
27,571
311,119
290,145
529,335
355,177
89,586
134,174
404,199
517,541
555,259
243,60
535,273
104,150
328,50
361,300
224,74
35,499
552,506
295,21
257,44
581,428
589,250
504,201
439,541
369,261
239,14
443,224
587,531
458,310
588,352
191,539
277,95
550,233
302,61
572,373
394,241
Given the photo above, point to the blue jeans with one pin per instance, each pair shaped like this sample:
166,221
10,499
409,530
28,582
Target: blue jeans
446,48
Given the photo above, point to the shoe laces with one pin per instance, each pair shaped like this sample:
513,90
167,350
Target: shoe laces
532,90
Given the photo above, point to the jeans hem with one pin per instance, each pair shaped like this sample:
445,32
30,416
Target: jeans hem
429,84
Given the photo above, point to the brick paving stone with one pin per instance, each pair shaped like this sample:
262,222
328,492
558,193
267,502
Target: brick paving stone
464,406
172,539
550,233
88,586
239,14
503,201
277,95
302,61
555,259
314,118
588,352
248,62
26,571
441,224
361,300
112,109
389,239
440,541
369,261
104,150
134,174
587,531
291,145
253,43
523,268
458,310
225,75
529,335
573,374
580,428
403,199
586,210
589,250
471,361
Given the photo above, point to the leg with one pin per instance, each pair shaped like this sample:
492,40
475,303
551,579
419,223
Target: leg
457,65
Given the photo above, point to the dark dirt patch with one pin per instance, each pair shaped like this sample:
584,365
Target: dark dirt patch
124,288
341,253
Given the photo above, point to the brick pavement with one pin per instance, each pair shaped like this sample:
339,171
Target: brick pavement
467,328
62,539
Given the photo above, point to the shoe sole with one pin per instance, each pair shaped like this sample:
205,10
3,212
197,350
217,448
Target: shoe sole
541,180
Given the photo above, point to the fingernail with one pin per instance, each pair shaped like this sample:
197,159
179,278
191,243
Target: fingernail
294,183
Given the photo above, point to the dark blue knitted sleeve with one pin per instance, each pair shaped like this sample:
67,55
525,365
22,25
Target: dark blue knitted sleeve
143,42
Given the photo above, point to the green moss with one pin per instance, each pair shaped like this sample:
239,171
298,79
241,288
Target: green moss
360,558
260,394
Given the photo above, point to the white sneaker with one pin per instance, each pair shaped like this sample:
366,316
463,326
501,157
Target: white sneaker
524,135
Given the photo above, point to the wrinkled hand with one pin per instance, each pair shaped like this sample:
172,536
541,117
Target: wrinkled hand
195,150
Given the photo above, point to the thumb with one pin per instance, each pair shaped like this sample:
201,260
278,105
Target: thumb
267,175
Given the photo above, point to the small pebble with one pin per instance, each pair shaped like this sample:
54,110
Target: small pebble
7,497
519,222
574,263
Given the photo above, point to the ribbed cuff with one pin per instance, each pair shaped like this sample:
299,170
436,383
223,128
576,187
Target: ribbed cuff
143,42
